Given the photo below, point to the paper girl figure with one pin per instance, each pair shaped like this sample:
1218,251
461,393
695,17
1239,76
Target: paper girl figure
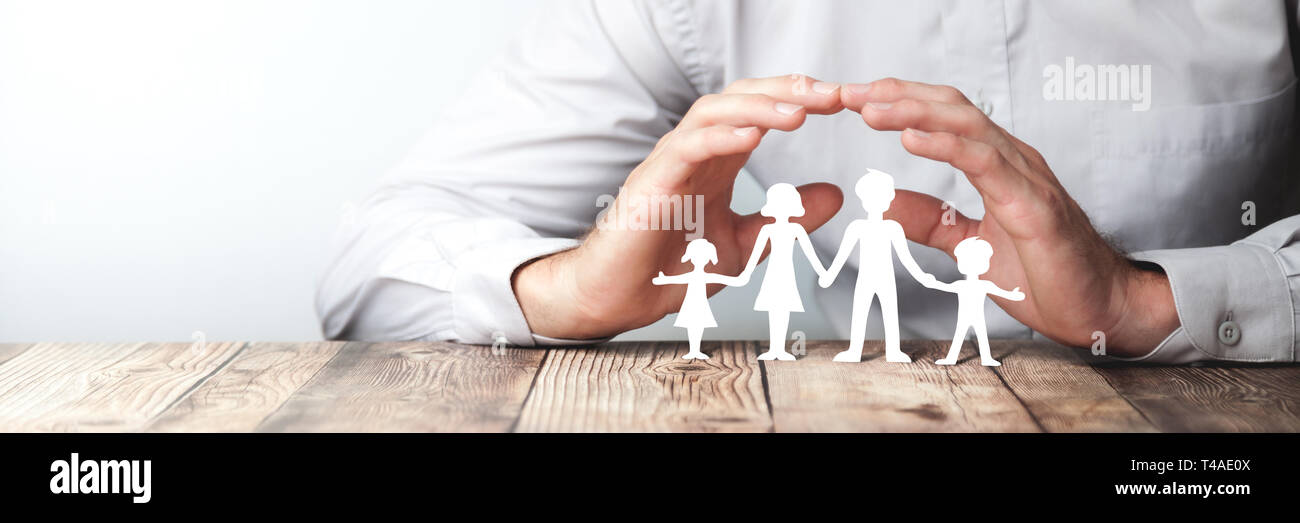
695,315
779,295
973,256
877,238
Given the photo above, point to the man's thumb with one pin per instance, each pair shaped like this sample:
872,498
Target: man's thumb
820,203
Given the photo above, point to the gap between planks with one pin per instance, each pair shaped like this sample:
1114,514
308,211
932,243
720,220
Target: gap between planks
62,387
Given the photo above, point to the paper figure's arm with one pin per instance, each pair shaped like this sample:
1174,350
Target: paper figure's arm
669,280
940,286
1013,294
806,243
759,244
899,240
846,248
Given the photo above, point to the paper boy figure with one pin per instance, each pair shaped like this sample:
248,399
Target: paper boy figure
878,238
696,315
973,256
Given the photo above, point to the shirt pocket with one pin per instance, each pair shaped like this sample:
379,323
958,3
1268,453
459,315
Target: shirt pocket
1175,177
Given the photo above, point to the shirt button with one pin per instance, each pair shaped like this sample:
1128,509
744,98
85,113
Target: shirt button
1229,332
985,106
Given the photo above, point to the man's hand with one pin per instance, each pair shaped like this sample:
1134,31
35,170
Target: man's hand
1041,238
603,287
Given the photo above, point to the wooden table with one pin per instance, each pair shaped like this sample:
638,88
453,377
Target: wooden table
336,386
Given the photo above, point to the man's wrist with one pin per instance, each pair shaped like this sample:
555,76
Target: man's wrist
532,282
544,294
1150,314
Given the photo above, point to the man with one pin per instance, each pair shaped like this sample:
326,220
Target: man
1022,106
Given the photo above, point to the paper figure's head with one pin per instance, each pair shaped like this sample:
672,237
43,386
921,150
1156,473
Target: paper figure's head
876,190
700,252
973,256
783,201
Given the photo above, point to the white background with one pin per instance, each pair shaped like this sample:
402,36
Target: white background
177,166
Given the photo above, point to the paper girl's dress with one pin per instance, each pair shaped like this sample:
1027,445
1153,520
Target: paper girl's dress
695,311
779,291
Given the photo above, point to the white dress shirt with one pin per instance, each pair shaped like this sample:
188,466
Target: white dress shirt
513,170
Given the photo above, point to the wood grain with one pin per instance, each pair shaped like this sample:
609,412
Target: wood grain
816,394
1063,392
647,387
9,350
1211,399
416,387
66,387
620,387
251,387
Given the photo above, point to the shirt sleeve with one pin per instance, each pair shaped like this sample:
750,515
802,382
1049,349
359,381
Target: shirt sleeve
512,171
1235,302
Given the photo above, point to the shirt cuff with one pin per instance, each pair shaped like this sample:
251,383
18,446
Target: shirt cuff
485,309
1233,302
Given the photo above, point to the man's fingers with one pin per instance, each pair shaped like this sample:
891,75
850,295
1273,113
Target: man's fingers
696,146
817,96
779,102
1037,163
984,165
930,221
891,104
911,113
678,157
820,203
855,96
962,120
743,110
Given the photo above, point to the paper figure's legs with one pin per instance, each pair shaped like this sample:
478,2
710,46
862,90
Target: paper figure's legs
857,327
778,323
694,334
986,355
958,339
888,297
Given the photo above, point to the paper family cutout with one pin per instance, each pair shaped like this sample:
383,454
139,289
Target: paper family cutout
875,239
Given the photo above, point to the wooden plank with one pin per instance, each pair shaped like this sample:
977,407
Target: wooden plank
619,387
1211,399
816,394
416,387
61,387
1063,392
647,387
49,373
261,378
9,350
